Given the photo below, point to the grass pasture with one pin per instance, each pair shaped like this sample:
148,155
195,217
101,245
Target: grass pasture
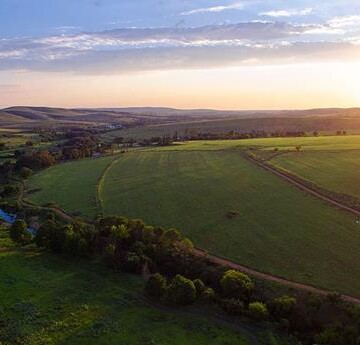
336,170
71,185
47,300
276,228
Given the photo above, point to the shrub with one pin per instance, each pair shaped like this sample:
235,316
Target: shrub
209,294
232,306
258,310
199,286
10,189
156,286
236,284
25,172
132,262
181,291
282,306
19,233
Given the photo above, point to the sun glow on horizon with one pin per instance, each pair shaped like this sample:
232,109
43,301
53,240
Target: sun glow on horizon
246,87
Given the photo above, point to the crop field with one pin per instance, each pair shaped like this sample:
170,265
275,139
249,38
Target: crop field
334,170
44,300
224,203
72,185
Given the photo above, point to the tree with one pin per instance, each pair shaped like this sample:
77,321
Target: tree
156,286
258,310
19,233
25,172
297,148
236,284
132,262
282,306
172,235
315,133
209,294
199,286
181,291
45,233
120,232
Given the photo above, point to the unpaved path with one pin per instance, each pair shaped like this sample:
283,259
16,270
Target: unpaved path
304,187
231,264
269,277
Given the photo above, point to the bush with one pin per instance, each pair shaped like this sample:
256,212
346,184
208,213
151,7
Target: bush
19,233
199,286
181,291
45,233
132,262
236,284
282,306
209,294
258,310
25,172
156,286
232,306
9,189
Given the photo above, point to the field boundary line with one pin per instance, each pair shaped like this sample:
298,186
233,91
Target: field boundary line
218,260
99,186
301,185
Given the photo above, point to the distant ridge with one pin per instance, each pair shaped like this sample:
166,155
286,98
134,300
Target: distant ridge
32,117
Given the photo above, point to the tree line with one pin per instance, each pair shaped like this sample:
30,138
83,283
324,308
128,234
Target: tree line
178,276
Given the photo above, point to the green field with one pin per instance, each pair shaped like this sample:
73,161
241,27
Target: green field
71,185
277,228
337,171
47,300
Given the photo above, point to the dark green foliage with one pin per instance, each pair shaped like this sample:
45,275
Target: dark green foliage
199,286
36,161
172,235
132,262
232,306
208,294
156,286
45,233
19,233
236,284
282,307
258,310
9,189
25,172
181,291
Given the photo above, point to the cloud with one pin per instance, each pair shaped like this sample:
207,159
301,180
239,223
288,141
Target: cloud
345,21
287,13
140,49
234,6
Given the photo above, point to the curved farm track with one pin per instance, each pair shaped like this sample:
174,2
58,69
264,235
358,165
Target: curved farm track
218,260
302,186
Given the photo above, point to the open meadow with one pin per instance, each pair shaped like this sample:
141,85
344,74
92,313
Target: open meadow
224,203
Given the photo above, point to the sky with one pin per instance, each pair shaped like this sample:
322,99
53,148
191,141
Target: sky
249,54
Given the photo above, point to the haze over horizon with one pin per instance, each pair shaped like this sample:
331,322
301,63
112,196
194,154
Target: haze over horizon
226,54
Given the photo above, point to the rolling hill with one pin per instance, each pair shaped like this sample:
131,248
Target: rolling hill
33,117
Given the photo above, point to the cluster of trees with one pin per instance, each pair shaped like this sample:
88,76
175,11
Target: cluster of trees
154,141
79,146
180,276
197,135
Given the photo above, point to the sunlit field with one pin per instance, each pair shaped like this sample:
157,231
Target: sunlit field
194,186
